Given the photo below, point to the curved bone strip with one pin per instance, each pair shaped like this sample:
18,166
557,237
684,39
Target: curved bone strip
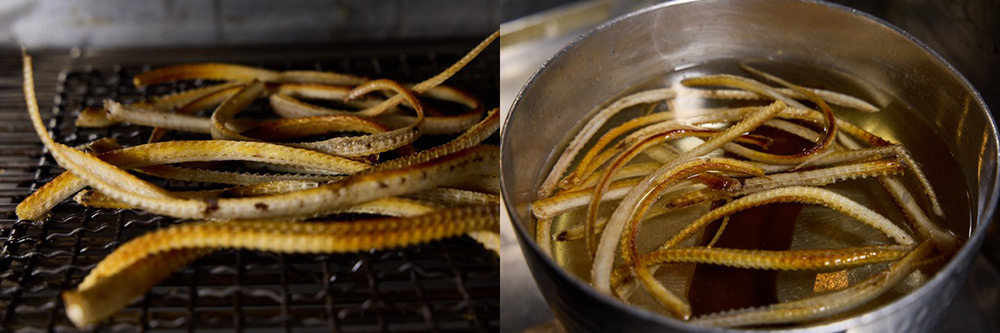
643,134
603,261
125,187
147,116
817,177
574,178
471,137
591,128
824,305
206,102
432,82
453,197
124,274
654,136
343,146
831,97
566,201
829,132
41,201
290,128
233,72
433,125
630,233
228,177
803,195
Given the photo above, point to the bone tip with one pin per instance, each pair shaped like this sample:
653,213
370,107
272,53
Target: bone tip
75,310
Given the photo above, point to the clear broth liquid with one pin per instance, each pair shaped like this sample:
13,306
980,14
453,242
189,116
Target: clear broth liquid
787,226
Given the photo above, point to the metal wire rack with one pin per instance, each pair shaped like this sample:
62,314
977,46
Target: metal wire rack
447,286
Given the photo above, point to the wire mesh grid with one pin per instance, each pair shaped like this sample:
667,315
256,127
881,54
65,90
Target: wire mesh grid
450,285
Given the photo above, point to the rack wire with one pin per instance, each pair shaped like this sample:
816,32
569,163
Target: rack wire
446,286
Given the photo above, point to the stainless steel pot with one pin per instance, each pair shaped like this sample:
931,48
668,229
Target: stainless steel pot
629,49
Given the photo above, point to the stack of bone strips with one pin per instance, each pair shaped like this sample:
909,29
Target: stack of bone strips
607,173
364,165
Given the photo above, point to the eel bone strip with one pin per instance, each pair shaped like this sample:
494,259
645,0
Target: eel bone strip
823,305
591,128
798,194
603,261
136,266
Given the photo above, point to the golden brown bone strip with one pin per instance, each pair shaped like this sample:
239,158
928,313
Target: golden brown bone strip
643,134
39,202
803,195
222,150
343,146
578,231
575,233
289,107
923,225
285,104
203,103
479,160
944,241
647,137
230,108
67,156
232,72
290,128
378,142
389,206
831,97
824,305
228,177
793,260
682,171
628,238
821,177
590,129
317,77
791,113
432,82
881,146
131,190
453,197
85,306
433,125
300,237
818,177
812,178
107,297
146,116
339,93
603,261
629,171
563,202
471,137
829,132
596,155
185,102
97,117
574,177
91,198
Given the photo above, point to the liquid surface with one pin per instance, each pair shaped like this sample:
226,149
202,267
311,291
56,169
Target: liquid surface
710,288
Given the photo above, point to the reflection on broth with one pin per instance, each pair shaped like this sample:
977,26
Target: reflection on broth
732,201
